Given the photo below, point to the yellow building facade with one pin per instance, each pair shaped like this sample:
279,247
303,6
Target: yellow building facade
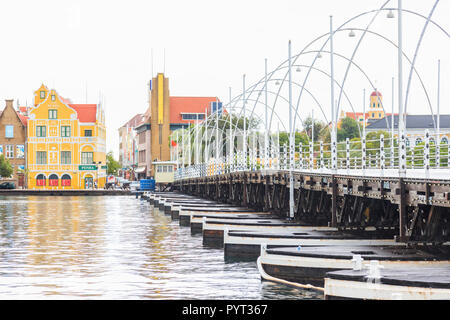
66,143
376,106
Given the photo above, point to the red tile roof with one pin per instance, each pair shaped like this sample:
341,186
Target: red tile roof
23,118
376,93
355,115
64,100
23,109
86,112
180,105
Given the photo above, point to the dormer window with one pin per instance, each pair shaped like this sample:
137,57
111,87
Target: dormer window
42,94
53,97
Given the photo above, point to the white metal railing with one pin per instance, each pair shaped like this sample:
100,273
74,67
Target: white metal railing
381,153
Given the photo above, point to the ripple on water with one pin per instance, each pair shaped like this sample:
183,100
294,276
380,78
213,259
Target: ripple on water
115,248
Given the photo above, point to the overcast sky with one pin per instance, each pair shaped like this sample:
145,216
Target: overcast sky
87,48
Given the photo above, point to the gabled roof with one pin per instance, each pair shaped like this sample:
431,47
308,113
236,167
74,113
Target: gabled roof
23,119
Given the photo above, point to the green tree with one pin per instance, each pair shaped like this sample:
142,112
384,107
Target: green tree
6,169
112,165
319,127
349,129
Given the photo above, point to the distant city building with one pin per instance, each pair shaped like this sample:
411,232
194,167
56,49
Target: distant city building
128,147
13,135
164,115
66,144
416,124
374,113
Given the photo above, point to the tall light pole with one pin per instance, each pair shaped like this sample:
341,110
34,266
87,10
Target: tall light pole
206,154
401,122
176,148
392,126
333,120
291,142
333,134
197,150
217,131
266,132
438,120
231,152
244,145
312,128
363,163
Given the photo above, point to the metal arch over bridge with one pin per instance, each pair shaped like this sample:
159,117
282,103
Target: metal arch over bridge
382,182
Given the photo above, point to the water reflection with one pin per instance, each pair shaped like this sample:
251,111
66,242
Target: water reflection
115,248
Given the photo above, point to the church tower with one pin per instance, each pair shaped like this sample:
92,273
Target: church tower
375,108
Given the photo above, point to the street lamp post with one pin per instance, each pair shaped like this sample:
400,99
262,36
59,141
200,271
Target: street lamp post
266,132
333,120
291,142
401,122
244,145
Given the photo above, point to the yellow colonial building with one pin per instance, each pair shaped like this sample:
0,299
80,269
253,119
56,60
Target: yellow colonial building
66,143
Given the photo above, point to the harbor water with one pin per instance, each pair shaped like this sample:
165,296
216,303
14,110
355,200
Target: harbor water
115,247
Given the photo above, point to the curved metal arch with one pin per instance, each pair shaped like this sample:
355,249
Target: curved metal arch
212,116
257,116
341,27
210,119
321,109
353,56
414,61
314,98
345,58
270,79
406,57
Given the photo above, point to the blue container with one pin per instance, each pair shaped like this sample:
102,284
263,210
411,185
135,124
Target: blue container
147,184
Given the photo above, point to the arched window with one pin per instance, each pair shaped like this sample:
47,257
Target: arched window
53,180
444,140
40,180
432,141
66,180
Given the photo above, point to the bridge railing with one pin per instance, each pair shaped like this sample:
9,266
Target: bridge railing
357,154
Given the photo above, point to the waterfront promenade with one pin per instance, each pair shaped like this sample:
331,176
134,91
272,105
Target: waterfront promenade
73,192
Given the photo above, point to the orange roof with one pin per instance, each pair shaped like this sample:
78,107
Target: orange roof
355,115
180,105
23,109
23,118
86,112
